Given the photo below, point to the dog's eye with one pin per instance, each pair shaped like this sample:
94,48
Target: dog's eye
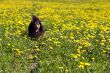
37,23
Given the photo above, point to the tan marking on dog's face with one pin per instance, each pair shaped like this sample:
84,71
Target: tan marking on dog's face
37,25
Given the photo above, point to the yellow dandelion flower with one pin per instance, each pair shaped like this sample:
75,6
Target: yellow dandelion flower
18,52
79,47
78,51
78,55
83,51
71,36
108,49
87,64
93,58
81,63
51,47
60,67
102,43
38,50
8,44
30,57
103,40
66,70
81,66
104,51
74,55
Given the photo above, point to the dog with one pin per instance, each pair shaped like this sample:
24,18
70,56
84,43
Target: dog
35,28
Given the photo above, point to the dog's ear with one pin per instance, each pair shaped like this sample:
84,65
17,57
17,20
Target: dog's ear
33,18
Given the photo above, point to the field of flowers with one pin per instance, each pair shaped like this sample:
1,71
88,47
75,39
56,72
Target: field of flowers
77,37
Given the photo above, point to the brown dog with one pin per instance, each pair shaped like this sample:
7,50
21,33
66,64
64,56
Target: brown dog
35,28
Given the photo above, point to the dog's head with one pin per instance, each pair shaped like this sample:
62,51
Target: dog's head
36,21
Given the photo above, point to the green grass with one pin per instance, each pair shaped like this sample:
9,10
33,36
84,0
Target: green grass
77,33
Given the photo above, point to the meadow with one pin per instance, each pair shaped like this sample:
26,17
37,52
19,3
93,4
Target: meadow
76,40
